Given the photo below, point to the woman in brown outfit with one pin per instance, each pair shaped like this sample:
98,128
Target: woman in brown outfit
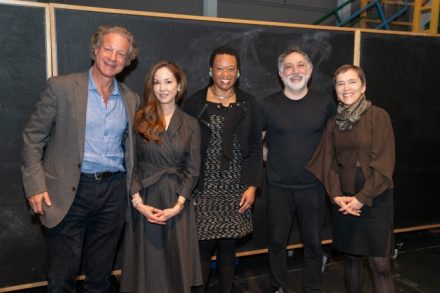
355,163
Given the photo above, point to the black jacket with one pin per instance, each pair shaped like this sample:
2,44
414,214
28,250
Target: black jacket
248,131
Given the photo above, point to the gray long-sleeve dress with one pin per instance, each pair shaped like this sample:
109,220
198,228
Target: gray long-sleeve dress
164,258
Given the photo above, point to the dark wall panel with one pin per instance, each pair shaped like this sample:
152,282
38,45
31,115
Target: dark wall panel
189,43
401,74
22,75
403,77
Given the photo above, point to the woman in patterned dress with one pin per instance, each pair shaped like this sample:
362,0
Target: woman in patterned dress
231,168
160,241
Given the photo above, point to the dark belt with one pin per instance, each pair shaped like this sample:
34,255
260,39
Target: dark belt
100,175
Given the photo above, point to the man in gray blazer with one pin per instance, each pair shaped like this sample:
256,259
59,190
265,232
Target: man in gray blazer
77,161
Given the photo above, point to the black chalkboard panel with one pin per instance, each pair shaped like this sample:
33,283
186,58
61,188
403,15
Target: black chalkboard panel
22,74
190,42
403,78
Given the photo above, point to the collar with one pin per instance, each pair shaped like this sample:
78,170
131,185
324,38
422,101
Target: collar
92,85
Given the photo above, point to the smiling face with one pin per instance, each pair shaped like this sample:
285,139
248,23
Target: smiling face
224,72
111,56
165,86
349,87
295,73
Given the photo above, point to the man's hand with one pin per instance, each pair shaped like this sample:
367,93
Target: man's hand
36,202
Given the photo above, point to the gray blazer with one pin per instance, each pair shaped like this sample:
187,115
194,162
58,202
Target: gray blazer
53,141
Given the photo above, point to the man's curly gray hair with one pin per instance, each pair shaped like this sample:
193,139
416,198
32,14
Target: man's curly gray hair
96,41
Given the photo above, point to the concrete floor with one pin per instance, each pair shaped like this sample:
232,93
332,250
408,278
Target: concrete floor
416,269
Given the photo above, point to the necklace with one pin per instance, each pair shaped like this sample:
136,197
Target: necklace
222,97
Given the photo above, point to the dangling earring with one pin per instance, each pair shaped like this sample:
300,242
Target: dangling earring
238,74
210,73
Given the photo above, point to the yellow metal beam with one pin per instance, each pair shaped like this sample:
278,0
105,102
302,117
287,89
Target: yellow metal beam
416,15
423,7
363,23
402,23
433,24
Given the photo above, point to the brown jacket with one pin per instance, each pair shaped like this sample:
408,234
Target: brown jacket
370,142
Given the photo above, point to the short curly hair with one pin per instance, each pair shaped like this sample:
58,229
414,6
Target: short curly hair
223,50
95,41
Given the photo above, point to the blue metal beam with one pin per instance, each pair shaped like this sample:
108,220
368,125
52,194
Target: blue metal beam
385,21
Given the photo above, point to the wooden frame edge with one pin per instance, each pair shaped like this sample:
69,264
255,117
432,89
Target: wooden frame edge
24,3
49,60
357,48
405,33
53,40
416,228
47,28
199,18
234,20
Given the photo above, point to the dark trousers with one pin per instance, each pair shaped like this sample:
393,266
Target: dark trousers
91,231
309,204
225,263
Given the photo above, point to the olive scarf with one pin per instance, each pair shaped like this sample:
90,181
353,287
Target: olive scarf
347,116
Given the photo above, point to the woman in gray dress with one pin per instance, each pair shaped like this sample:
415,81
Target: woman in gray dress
160,245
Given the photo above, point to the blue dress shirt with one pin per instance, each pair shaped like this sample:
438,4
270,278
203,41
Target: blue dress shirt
105,129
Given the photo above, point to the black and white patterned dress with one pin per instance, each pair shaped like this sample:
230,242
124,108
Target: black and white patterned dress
217,203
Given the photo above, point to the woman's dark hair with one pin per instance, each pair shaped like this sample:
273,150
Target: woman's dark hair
347,67
224,50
